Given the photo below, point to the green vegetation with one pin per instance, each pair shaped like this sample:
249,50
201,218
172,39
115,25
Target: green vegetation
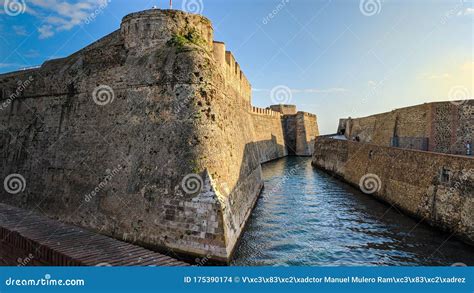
190,38
198,116
194,166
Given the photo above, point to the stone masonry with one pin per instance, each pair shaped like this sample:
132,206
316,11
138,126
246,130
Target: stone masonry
442,127
147,135
435,188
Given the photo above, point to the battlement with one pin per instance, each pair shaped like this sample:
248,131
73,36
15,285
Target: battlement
234,77
265,111
306,114
280,111
284,109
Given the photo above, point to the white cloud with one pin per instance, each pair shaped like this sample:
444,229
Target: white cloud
443,76
468,66
61,15
20,30
46,31
320,91
465,12
313,90
2,65
32,53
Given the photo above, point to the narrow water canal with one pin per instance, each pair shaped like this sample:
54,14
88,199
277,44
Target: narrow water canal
305,217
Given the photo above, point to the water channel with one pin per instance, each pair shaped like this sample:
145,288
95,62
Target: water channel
306,217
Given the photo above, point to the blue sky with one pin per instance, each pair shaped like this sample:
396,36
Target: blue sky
333,58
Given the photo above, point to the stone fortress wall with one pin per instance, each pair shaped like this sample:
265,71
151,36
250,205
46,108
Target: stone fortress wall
435,188
443,127
270,123
168,153
413,158
291,133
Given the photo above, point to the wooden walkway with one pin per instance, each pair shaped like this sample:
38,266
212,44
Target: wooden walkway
53,243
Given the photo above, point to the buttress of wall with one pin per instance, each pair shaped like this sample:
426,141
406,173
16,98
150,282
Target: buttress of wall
311,131
269,134
305,132
235,79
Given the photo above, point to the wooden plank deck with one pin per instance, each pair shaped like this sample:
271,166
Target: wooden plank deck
57,244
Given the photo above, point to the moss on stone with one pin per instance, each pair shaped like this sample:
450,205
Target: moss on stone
190,38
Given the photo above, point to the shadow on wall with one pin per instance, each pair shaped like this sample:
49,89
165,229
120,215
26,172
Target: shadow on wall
269,150
123,200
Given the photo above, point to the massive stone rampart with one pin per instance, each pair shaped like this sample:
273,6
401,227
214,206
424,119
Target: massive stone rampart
435,188
444,127
147,135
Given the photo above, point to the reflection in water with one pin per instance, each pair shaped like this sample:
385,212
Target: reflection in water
306,217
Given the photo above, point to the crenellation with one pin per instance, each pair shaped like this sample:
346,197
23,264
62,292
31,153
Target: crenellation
234,76
307,114
265,111
219,52
284,109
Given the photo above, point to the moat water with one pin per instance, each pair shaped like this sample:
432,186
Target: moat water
305,217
